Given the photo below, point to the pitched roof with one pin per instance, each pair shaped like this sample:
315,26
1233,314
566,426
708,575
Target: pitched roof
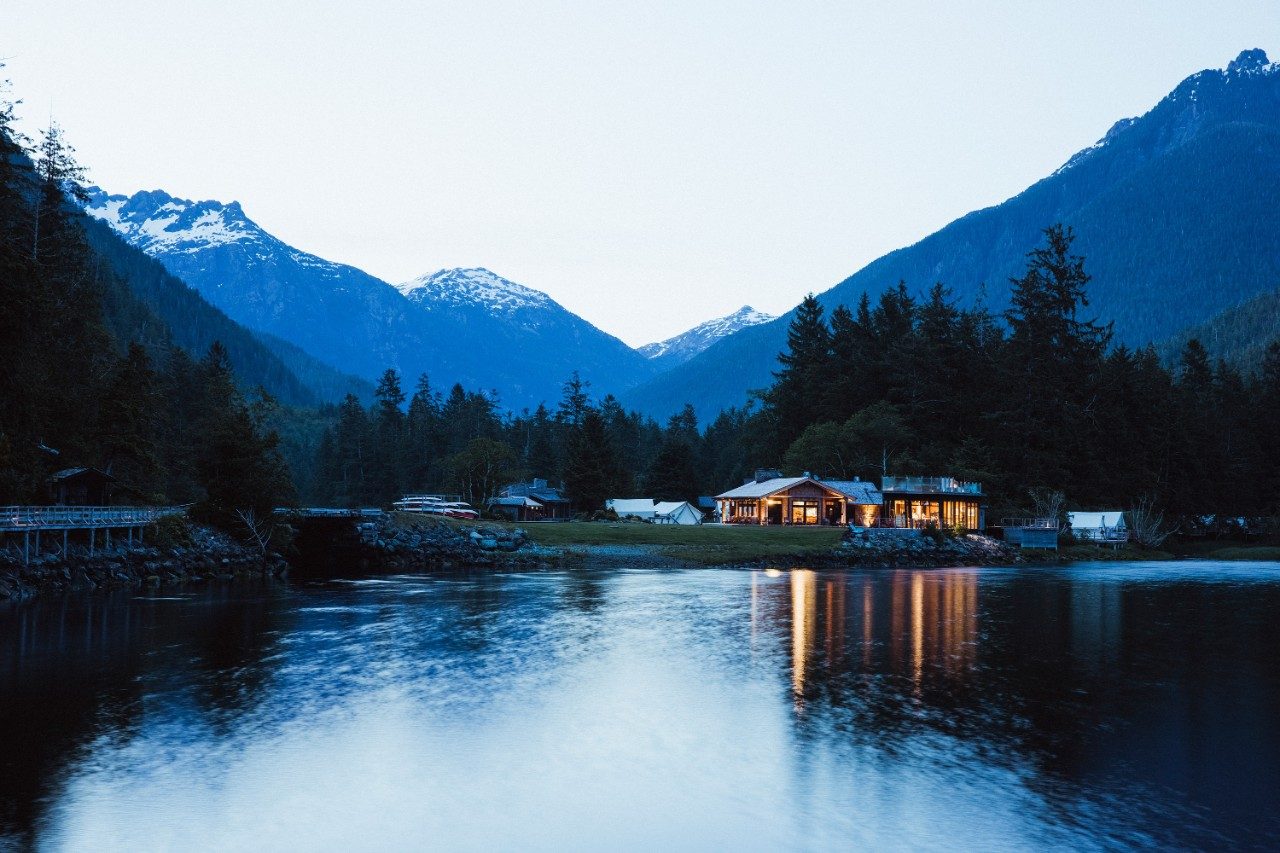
762,489
514,501
75,472
667,507
858,491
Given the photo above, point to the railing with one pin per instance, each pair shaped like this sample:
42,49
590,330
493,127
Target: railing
81,517
1036,523
930,485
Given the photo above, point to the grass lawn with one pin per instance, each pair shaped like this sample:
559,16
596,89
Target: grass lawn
706,544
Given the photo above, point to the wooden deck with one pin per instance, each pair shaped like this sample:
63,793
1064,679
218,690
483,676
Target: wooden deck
32,521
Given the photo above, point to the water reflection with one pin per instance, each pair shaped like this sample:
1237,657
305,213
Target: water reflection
931,623
1098,707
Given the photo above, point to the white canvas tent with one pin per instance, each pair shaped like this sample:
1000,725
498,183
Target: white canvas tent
676,512
635,507
1105,526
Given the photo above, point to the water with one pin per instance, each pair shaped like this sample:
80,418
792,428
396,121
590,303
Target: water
1102,706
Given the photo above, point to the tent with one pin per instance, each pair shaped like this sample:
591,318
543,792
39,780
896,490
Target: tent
635,507
676,512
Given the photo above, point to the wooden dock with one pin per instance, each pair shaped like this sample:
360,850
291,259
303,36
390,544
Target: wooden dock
32,521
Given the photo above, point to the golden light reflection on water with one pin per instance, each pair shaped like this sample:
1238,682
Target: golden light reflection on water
804,614
920,623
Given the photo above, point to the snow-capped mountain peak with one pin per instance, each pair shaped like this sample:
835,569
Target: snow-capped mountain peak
159,223
475,286
686,345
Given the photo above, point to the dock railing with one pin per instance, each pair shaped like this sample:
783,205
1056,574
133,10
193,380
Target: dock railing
24,518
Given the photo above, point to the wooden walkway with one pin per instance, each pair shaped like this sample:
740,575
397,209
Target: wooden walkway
32,521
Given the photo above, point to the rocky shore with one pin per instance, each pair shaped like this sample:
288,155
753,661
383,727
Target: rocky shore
388,545
205,555
971,549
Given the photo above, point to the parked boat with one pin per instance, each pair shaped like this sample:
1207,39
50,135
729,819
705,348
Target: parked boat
436,505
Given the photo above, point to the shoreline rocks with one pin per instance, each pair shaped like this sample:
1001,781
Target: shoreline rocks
210,555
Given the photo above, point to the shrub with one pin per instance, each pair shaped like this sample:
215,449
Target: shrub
174,531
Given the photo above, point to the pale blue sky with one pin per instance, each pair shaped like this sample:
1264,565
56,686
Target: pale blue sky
649,165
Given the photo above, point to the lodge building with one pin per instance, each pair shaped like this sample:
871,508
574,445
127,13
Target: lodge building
905,502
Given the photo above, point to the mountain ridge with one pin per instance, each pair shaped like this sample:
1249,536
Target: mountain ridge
471,327
678,349
1176,207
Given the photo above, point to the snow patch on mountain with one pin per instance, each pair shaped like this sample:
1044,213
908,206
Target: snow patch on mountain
476,286
160,224
686,345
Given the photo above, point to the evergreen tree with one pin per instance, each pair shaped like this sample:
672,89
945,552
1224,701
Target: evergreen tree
591,472
1052,369
389,451
129,428
796,398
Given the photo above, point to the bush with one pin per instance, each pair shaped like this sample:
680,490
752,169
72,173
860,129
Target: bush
934,532
174,531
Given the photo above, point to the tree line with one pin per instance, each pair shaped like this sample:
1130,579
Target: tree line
1037,398
76,393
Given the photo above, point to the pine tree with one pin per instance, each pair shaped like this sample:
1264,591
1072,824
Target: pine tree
387,465
796,398
129,428
591,472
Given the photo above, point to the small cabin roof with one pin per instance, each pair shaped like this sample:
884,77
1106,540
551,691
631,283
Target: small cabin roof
69,473
1092,520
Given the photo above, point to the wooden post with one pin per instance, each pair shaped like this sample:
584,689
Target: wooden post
64,541
130,537
91,538
37,543
108,538
26,542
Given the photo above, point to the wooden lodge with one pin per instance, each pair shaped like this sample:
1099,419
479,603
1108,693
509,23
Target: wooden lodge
900,502
800,500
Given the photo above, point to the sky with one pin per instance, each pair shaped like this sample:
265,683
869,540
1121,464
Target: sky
649,165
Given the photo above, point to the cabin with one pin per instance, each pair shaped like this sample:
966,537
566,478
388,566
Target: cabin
676,512
642,508
805,500
1104,526
81,487
942,502
536,500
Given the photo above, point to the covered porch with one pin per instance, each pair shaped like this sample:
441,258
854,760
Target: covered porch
797,501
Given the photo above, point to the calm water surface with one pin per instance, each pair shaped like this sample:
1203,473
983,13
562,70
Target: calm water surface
1102,706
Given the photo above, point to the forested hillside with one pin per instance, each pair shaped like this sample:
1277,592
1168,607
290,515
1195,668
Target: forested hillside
1239,335
93,377
1178,212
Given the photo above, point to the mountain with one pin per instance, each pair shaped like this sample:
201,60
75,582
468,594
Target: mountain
684,346
466,326
143,302
1239,335
1177,213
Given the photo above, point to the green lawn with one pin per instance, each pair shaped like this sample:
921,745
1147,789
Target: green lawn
705,544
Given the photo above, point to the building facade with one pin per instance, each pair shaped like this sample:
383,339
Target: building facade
906,502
